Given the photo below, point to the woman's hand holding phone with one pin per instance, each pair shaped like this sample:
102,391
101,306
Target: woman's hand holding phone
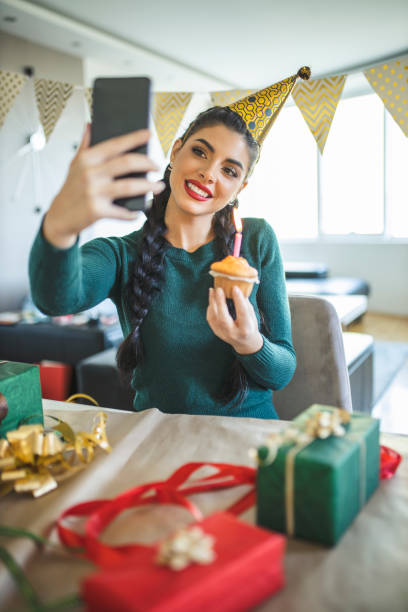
90,187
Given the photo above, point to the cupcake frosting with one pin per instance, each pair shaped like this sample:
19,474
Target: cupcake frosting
235,267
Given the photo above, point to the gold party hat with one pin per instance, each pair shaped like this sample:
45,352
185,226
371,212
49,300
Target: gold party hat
259,110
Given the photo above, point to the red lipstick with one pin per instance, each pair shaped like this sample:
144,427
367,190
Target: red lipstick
195,195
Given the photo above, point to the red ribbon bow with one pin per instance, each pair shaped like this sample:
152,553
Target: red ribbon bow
389,461
173,490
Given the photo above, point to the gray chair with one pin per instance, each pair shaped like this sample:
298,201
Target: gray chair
321,375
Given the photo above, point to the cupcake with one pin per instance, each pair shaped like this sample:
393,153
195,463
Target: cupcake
231,272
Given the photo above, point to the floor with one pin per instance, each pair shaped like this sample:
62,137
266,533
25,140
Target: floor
392,408
382,327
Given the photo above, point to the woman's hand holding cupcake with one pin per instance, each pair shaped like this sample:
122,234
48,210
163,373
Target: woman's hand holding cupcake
242,333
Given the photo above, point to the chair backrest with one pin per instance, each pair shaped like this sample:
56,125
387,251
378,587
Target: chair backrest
321,375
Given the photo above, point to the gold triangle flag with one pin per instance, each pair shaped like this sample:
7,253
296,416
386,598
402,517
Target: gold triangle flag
11,83
317,101
88,92
390,81
51,97
168,111
224,98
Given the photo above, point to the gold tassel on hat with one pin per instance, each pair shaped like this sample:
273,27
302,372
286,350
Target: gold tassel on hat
259,110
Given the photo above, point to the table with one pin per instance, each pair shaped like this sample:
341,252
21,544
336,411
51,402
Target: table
366,571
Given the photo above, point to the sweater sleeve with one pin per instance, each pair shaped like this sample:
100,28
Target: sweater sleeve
66,281
274,364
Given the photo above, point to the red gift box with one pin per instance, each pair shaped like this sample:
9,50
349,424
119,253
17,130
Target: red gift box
247,566
247,569
55,380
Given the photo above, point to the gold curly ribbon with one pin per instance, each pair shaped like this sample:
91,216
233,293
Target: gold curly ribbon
33,459
82,396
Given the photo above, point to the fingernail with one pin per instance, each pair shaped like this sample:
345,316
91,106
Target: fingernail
158,187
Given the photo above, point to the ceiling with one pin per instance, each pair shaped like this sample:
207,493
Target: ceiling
186,45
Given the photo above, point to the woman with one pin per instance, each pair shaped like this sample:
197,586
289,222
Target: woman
185,351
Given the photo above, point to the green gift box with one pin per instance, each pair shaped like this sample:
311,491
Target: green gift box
20,395
316,490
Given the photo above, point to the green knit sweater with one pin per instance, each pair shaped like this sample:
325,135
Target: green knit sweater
185,364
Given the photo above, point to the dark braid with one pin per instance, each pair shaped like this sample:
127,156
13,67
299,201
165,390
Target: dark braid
146,278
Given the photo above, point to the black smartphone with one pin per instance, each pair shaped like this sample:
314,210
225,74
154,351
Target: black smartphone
121,105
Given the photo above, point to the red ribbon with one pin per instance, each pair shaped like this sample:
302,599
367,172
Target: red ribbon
389,462
173,491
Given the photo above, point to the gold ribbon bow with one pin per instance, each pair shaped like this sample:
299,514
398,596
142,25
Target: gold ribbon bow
32,459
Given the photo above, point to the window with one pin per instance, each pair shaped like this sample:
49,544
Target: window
352,169
283,188
357,187
396,147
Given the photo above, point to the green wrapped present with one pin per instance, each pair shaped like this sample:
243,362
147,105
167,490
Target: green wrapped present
20,395
315,476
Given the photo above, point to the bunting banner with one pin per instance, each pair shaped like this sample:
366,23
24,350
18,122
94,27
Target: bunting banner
168,112
224,98
88,93
317,100
11,83
390,82
51,97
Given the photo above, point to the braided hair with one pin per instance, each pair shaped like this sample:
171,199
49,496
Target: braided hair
146,278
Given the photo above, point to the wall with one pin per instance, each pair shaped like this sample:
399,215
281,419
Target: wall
383,266
25,194
15,53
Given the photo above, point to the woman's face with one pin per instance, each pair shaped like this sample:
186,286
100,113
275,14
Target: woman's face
208,171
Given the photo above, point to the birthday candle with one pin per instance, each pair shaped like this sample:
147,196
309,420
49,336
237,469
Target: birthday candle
238,233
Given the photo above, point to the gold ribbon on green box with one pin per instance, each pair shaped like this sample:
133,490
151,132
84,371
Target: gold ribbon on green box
314,477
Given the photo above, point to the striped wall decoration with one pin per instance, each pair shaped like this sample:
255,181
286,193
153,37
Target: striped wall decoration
168,112
390,82
88,93
11,83
51,97
317,101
